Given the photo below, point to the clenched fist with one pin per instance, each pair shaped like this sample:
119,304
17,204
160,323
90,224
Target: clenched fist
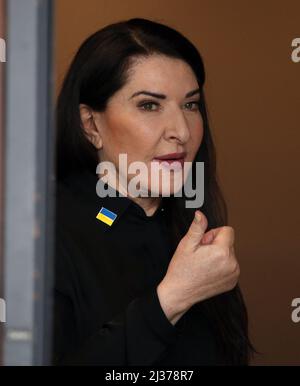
203,265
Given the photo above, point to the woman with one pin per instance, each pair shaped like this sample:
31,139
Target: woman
141,279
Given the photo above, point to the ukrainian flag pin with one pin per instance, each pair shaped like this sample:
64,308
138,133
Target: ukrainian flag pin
106,216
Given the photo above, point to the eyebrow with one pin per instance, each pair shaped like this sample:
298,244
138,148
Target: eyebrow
162,96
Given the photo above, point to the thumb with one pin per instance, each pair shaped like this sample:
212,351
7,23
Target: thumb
196,230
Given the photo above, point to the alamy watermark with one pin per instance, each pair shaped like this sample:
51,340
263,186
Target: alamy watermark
2,311
2,51
296,310
164,179
295,56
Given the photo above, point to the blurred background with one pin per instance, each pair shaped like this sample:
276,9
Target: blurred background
253,96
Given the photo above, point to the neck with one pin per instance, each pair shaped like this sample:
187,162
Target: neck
149,204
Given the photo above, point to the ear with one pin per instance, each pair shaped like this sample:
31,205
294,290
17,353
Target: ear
90,128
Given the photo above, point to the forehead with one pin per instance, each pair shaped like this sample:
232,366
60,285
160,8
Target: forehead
162,74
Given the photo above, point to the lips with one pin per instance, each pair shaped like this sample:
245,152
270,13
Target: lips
172,157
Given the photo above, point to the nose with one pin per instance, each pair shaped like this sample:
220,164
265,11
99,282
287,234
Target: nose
177,128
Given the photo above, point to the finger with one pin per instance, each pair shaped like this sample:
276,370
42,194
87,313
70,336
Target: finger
208,237
196,230
224,236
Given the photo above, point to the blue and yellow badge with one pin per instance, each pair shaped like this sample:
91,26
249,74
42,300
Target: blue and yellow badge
106,216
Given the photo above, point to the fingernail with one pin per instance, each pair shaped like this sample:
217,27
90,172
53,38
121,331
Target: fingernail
198,217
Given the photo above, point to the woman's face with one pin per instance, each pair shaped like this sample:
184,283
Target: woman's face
146,127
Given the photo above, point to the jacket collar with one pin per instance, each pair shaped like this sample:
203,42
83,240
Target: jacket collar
86,186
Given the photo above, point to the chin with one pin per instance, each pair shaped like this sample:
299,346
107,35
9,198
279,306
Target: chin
166,189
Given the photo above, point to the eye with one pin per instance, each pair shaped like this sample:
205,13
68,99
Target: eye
192,106
149,106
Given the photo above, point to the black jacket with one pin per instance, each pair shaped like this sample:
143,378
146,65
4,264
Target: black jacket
107,311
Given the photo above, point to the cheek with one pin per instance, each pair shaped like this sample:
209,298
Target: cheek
119,134
131,136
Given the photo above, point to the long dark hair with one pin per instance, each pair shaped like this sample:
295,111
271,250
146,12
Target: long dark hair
99,69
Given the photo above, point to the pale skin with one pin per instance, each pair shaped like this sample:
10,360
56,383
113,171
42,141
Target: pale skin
143,127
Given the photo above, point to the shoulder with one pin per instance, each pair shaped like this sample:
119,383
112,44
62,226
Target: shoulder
70,225
78,233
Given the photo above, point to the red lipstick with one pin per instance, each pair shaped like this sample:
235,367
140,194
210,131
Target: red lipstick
172,157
